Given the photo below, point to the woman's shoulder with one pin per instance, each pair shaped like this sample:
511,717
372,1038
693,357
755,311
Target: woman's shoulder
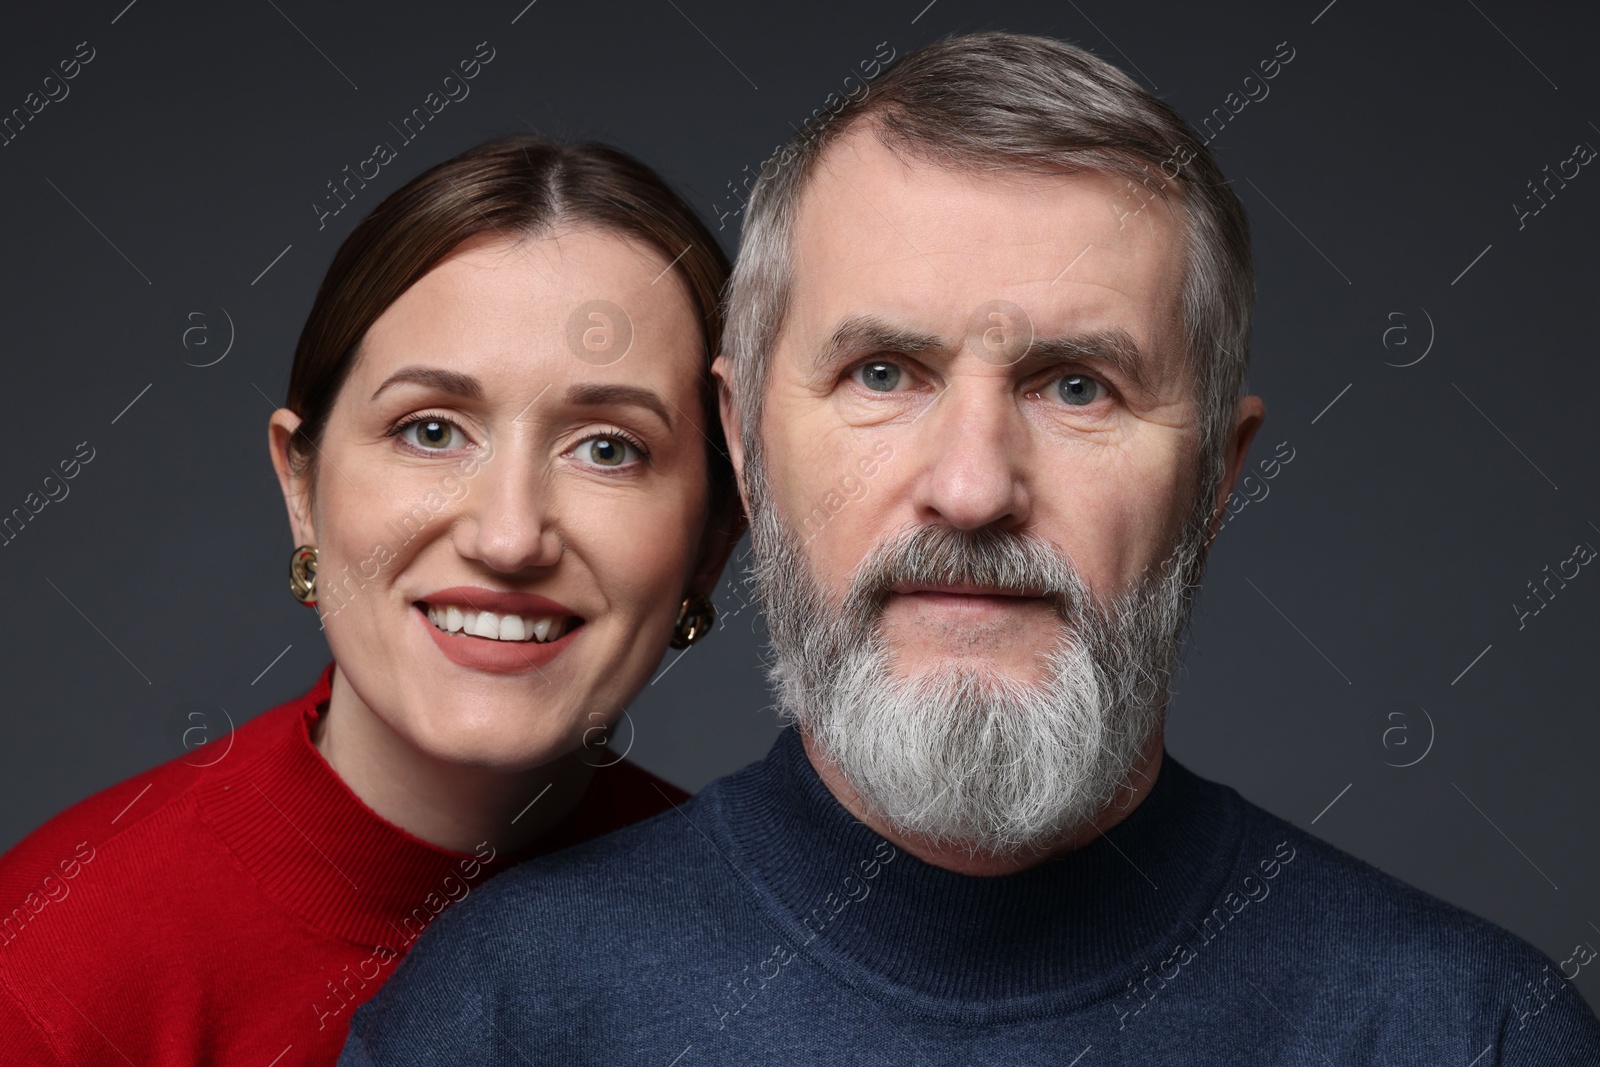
85,893
96,820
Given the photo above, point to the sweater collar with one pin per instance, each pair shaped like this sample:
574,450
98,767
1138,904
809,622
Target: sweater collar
313,846
1068,931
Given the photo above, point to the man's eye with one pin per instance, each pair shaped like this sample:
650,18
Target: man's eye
433,435
1078,389
879,375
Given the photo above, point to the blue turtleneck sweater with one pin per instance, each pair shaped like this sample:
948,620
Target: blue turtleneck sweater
761,923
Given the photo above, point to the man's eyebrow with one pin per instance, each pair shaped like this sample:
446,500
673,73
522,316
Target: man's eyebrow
446,381
1114,348
596,394
867,333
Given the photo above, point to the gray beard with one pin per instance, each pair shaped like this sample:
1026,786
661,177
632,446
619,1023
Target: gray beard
972,757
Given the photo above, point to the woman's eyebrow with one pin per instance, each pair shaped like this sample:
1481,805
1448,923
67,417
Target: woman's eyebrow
588,394
447,381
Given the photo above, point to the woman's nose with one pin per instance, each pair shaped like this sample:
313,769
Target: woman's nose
505,520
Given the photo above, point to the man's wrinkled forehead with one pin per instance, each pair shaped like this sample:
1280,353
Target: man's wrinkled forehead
926,253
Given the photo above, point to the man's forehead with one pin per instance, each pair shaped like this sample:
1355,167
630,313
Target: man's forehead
924,248
864,173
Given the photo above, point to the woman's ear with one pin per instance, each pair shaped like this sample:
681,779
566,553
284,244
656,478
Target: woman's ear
296,486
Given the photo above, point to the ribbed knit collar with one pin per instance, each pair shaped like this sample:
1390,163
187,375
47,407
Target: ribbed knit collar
314,847
1069,931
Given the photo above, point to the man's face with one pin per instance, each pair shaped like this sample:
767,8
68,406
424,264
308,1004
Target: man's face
904,391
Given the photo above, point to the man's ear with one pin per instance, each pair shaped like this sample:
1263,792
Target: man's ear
296,486
1249,414
728,410
724,526
727,522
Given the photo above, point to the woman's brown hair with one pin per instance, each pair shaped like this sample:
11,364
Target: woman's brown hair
517,186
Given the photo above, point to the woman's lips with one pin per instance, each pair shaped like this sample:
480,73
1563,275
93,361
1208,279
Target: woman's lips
455,619
499,601
499,656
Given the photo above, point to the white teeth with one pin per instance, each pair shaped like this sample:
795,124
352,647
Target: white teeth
453,619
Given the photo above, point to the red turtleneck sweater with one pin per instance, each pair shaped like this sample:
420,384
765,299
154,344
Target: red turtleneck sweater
235,907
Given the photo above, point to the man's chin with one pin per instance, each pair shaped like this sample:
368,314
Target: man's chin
930,667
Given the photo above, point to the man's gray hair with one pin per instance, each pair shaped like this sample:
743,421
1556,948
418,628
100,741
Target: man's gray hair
999,102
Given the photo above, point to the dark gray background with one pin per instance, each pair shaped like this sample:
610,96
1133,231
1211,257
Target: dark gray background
1341,613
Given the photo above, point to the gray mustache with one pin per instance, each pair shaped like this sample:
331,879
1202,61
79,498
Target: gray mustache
984,557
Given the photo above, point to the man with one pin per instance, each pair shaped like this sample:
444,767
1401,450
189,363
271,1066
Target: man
983,383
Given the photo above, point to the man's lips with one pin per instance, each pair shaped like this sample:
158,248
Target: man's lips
973,603
963,589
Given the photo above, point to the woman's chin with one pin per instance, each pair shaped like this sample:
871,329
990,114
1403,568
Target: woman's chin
506,744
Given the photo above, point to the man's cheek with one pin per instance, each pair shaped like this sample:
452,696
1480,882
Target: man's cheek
848,539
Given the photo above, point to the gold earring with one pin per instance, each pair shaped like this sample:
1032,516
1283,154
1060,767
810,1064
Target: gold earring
303,575
695,616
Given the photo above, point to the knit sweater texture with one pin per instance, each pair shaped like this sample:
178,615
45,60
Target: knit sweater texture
761,923
234,905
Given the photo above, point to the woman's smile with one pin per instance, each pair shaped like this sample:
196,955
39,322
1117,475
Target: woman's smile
497,631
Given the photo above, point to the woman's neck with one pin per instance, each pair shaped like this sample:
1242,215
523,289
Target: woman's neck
445,804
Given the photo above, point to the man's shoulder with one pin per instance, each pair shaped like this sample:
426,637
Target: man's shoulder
663,871
565,931
1363,930
1354,898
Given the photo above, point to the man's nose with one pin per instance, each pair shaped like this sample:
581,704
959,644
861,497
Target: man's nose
972,445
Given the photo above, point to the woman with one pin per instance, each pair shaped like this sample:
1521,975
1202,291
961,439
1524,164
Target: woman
507,488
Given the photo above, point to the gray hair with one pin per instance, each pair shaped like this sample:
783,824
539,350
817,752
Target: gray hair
997,102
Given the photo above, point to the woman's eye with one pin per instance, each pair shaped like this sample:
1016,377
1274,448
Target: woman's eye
1078,389
879,375
606,451
434,435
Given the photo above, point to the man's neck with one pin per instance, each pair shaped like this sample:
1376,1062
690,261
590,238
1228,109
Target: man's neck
964,859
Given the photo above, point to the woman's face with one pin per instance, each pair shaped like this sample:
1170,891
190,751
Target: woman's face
511,496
